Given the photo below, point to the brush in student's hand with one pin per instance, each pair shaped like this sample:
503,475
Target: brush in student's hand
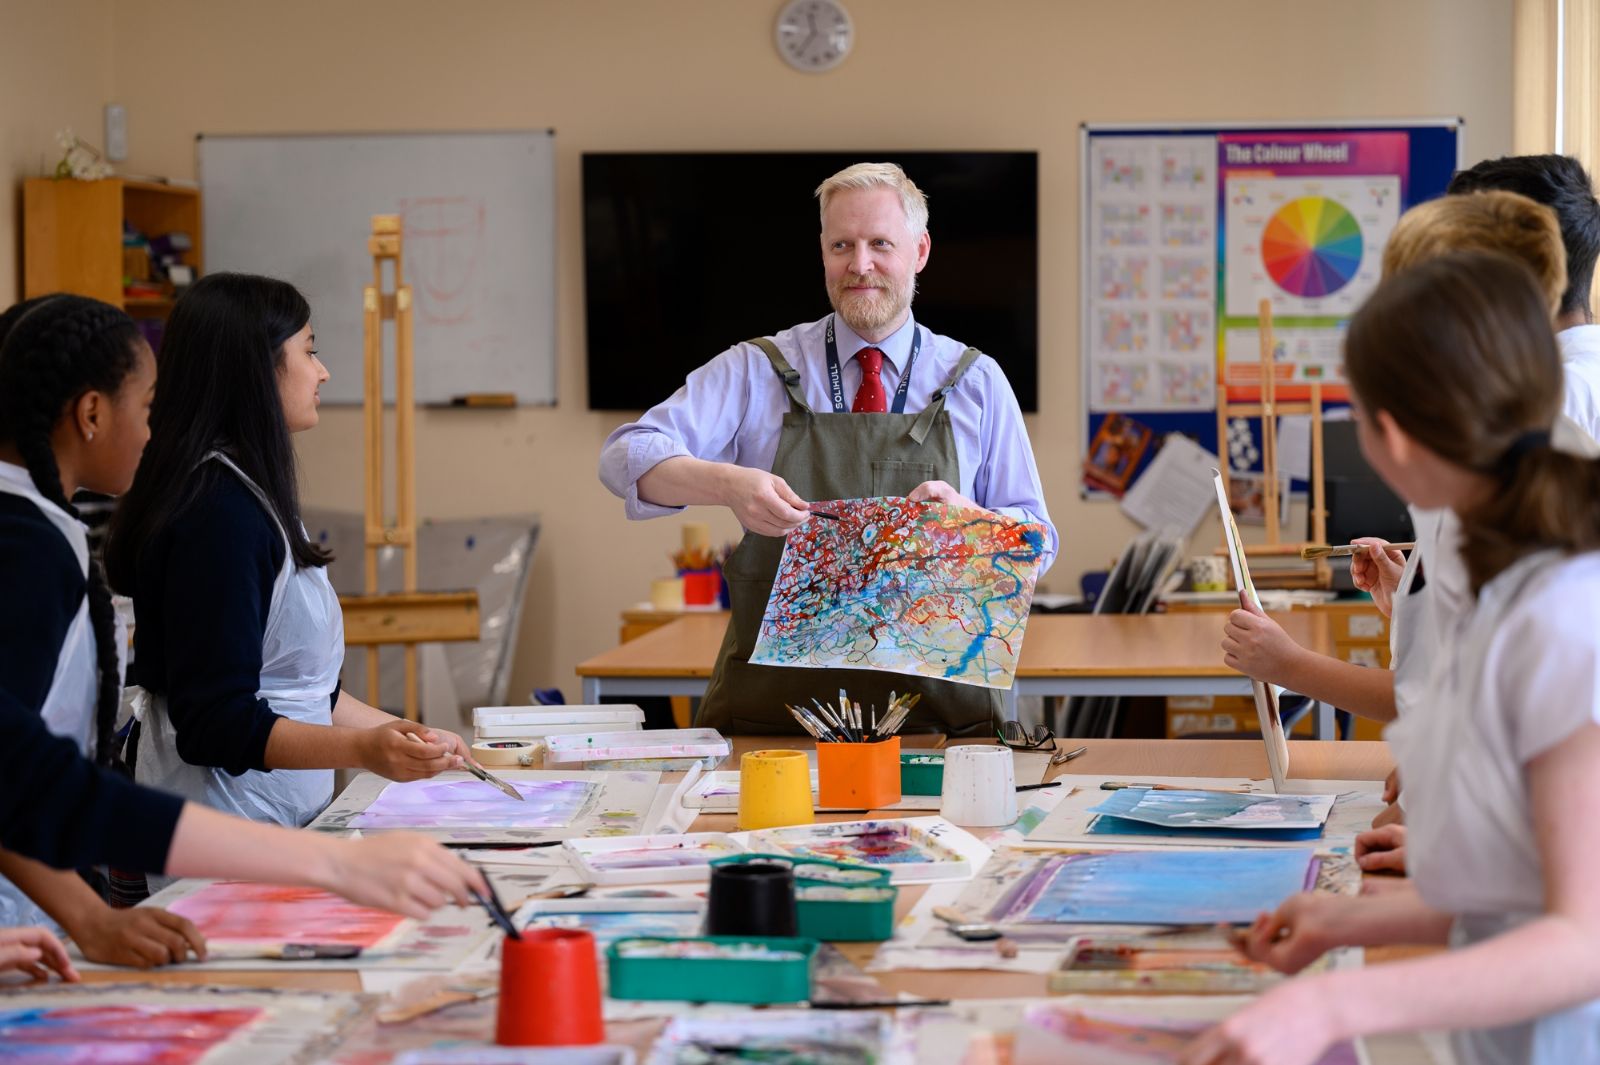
497,909
482,774
1346,550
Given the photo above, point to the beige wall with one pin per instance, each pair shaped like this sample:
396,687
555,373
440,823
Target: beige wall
55,71
649,74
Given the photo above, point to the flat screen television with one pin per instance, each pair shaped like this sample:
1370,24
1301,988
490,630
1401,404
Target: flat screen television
686,254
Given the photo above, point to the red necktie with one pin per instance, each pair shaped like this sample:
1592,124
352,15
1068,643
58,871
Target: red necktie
870,397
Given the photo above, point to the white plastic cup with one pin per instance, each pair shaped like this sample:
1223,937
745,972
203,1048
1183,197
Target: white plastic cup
980,786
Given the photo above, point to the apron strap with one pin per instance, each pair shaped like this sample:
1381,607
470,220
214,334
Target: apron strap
790,376
924,423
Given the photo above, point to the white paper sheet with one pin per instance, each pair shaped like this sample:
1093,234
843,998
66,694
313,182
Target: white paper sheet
1175,491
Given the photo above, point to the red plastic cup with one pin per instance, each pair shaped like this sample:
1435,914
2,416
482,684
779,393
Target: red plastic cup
700,586
549,990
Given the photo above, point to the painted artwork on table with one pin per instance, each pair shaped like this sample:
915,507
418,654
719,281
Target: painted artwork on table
1049,1034
926,589
1217,809
96,1035
456,808
234,911
146,1024
475,804
911,850
1160,887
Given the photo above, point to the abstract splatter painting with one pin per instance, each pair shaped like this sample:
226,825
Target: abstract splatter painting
475,804
926,589
240,912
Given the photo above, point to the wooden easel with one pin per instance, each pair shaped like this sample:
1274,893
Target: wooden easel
410,617
1268,409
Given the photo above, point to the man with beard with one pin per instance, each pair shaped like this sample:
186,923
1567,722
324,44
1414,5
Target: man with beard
864,402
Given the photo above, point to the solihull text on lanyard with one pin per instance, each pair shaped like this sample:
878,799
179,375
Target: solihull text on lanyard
836,388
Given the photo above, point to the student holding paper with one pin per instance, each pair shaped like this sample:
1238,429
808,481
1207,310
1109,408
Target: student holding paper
1257,646
1457,383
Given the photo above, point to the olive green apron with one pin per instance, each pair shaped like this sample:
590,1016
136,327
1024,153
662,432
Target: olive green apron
837,456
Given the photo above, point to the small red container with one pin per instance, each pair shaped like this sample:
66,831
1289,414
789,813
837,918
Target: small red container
549,990
701,586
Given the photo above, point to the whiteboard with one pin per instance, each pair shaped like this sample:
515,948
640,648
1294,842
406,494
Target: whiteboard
478,211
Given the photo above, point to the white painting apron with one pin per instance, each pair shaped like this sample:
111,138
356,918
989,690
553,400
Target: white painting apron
302,650
69,706
1468,822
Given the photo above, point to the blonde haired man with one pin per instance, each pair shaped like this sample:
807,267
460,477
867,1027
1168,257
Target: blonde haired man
864,402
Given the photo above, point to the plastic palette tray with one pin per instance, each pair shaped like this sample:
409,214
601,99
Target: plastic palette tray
677,978
661,749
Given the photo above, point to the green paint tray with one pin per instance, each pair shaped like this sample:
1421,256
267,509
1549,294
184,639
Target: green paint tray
921,773
710,969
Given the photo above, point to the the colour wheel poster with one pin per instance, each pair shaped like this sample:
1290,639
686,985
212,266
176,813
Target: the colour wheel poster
1312,247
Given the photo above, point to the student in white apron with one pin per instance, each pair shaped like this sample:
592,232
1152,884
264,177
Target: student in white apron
76,381
1457,380
239,637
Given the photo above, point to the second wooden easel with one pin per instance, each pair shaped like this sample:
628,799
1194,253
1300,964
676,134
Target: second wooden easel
410,617
1268,409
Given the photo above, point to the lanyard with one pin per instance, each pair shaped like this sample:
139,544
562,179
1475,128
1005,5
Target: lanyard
834,381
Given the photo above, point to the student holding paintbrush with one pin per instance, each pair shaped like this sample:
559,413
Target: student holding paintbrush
76,381
1422,609
1456,380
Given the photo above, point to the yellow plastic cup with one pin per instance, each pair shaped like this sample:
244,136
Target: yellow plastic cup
774,790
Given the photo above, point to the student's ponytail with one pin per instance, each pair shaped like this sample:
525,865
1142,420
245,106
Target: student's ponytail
53,350
1460,352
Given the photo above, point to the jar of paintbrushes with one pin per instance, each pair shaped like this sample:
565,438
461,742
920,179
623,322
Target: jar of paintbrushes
858,750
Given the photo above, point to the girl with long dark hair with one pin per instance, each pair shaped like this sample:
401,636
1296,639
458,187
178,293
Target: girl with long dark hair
76,382
239,637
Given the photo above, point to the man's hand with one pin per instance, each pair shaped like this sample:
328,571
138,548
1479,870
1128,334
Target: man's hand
940,492
763,502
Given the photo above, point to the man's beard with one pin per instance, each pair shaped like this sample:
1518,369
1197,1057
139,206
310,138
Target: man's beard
869,312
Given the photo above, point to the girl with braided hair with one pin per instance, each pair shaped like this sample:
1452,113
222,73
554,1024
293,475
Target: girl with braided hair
240,638
76,385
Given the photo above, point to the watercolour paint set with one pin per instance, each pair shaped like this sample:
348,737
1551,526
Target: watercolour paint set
780,1037
747,969
650,859
661,750
914,850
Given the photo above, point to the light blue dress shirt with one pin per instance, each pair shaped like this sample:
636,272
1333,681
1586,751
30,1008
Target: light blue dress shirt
731,410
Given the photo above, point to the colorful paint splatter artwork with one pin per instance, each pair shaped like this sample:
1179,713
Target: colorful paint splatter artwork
236,911
475,804
112,1035
1161,887
927,589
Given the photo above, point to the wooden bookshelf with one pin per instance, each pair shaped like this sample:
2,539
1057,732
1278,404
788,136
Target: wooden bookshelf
72,235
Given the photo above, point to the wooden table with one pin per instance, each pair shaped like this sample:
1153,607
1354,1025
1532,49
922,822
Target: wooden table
1311,759
1062,654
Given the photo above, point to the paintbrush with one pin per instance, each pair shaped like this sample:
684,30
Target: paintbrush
496,908
825,514
285,952
481,773
450,996
885,1004
1346,550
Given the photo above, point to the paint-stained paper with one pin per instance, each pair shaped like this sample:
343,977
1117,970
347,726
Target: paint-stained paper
926,589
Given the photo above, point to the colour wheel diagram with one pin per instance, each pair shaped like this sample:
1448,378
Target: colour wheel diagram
1312,247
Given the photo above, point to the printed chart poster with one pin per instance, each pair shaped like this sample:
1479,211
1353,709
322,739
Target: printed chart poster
1152,260
1305,217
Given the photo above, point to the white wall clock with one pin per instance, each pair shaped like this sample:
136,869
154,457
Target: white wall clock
814,35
